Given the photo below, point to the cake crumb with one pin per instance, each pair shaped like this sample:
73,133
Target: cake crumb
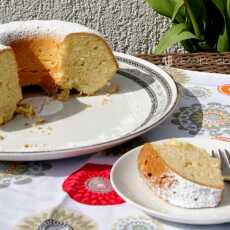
88,106
40,120
28,145
26,110
63,95
49,128
112,88
41,129
105,100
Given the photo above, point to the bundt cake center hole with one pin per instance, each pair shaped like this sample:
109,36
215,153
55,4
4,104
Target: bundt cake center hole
35,89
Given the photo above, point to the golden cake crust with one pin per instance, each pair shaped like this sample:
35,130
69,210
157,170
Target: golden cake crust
151,164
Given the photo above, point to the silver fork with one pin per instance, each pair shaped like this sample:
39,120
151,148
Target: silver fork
224,157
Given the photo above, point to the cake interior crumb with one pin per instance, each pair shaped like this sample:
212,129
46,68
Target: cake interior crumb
40,120
26,110
105,99
112,88
28,145
63,95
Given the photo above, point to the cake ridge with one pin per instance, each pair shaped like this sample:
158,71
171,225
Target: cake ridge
55,28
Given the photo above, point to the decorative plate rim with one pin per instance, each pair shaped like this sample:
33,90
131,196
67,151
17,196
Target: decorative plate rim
42,154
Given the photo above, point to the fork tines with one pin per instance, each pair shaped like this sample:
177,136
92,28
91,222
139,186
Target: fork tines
224,157
227,156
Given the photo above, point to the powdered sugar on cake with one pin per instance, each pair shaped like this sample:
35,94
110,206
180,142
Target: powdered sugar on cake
36,28
184,193
2,47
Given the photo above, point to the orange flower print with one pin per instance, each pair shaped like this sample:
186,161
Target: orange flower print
221,138
224,89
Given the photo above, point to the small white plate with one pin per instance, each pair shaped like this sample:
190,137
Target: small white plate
83,125
128,184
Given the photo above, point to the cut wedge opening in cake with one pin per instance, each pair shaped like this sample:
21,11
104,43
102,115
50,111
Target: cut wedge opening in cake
38,62
82,62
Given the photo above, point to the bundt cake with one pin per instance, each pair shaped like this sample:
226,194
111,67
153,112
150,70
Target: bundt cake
9,84
56,55
181,174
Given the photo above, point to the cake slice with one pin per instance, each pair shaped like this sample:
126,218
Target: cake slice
9,85
181,174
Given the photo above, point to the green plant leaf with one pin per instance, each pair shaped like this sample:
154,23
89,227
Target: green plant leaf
196,11
168,8
220,4
200,25
177,33
176,9
223,40
228,8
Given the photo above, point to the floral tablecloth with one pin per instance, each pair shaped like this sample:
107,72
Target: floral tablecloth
76,194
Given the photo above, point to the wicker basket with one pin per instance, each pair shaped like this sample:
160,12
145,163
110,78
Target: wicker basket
208,62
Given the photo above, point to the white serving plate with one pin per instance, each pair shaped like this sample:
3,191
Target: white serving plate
83,125
128,184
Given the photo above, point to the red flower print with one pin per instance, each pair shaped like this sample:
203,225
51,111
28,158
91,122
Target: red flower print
91,185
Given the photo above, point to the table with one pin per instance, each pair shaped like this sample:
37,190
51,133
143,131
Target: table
76,193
